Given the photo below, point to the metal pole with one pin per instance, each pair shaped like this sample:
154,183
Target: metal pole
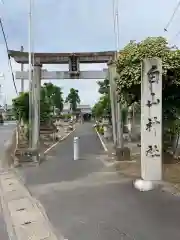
30,72
76,148
22,69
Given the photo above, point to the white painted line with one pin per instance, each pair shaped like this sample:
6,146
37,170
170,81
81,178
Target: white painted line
52,146
103,144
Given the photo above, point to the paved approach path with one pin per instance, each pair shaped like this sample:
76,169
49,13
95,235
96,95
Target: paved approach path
87,201
5,134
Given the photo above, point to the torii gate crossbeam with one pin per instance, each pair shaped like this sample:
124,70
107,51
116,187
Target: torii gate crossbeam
63,58
65,75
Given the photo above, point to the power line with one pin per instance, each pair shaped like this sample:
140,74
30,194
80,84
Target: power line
7,50
172,17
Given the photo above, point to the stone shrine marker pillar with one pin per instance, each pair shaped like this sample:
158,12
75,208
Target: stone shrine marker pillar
151,120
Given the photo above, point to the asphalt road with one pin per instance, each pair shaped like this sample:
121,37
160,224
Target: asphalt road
5,134
85,200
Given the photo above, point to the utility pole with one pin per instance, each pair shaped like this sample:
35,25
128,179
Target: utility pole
118,106
111,75
30,73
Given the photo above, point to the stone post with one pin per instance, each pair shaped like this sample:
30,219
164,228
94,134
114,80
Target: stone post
151,120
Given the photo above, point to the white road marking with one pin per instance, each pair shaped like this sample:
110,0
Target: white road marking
103,144
51,147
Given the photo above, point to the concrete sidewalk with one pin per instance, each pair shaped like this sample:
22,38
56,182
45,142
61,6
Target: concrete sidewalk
3,230
85,200
5,132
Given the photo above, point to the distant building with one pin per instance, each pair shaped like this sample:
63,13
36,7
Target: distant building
84,109
7,112
66,109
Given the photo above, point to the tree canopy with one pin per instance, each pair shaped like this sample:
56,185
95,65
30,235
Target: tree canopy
50,97
104,86
73,98
54,94
103,106
129,70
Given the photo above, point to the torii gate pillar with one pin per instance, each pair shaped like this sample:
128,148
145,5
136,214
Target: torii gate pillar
121,152
113,100
36,87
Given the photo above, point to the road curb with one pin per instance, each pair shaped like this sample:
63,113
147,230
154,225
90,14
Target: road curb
102,142
55,144
107,164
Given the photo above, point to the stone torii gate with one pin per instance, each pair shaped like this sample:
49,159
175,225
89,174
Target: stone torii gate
73,60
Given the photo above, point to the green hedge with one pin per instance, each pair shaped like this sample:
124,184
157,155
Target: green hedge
100,129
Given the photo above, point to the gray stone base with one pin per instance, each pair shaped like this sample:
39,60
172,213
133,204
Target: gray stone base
122,154
143,185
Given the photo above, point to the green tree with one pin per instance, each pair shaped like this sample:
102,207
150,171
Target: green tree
104,90
97,110
21,107
50,95
54,94
73,98
102,107
129,70
104,87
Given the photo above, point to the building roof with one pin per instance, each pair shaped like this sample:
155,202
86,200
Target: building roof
83,106
66,107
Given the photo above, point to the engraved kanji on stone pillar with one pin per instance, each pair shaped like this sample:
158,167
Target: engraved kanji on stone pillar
151,119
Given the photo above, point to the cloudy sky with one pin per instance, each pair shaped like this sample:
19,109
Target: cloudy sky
80,25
